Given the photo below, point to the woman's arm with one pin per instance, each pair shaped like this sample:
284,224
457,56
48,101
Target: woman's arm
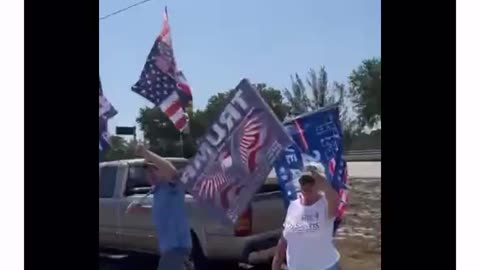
280,253
331,195
165,168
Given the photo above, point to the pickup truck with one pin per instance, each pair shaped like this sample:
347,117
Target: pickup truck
251,240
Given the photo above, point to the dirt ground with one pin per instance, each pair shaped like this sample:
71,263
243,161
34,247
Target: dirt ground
359,238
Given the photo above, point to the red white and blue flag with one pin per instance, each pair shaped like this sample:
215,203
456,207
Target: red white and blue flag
251,141
317,136
162,83
236,155
341,188
106,111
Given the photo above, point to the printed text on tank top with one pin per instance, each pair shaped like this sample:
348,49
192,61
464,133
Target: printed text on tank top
308,232
309,220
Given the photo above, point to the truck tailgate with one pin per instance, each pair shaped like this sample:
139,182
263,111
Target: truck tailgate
268,212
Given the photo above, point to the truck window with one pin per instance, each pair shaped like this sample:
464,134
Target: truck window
108,178
180,165
270,185
136,179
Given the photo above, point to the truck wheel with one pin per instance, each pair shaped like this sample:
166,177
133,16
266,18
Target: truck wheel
198,261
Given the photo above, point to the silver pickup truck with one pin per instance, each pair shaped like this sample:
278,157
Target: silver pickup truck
251,240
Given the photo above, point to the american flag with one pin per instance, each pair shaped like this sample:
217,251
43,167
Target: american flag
104,142
105,108
250,141
339,178
162,83
106,111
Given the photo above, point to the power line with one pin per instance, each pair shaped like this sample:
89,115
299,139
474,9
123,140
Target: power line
124,9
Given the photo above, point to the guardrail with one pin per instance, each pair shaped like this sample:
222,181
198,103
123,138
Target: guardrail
363,155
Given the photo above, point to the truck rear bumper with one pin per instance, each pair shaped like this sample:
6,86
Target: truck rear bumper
250,249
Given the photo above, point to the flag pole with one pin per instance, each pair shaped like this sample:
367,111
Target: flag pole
169,28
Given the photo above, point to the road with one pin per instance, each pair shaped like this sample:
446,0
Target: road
358,170
365,169
146,262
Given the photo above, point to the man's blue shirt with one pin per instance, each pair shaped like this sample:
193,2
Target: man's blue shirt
170,216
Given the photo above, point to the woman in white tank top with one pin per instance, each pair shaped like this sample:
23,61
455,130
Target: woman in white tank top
307,240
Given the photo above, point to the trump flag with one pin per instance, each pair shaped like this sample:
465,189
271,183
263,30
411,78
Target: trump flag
318,138
236,155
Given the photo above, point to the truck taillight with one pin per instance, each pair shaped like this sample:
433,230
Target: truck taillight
243,227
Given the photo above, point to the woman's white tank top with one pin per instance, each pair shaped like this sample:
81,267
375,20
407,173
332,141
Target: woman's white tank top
309,234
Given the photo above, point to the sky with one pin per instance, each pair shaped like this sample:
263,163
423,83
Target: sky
217,43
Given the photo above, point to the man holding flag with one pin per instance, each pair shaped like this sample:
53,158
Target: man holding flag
169,212
165,86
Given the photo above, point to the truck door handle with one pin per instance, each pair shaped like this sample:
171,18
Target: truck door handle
133,206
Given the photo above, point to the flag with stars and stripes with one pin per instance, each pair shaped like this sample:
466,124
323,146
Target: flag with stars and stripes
318,138
162,83
106,111
104,137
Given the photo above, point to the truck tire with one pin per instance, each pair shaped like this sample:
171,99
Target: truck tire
198,260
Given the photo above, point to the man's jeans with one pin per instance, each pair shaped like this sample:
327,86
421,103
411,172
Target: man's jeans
173,259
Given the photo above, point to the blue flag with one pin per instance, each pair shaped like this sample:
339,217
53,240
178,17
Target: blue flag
236,155
318,138
288,169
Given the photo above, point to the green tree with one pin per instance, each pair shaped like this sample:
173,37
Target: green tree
338,95
164,139
365,91
322,94
297,97
119,149
363,141
199,122
319,85
273,97
162,136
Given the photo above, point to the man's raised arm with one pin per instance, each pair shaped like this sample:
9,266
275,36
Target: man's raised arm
165,168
